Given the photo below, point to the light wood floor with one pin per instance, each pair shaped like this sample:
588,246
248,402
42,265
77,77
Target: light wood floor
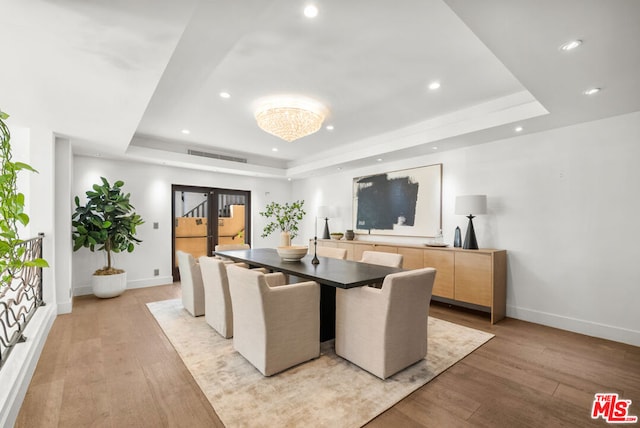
109,365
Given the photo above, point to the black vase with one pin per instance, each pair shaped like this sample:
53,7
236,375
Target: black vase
457,239
349,235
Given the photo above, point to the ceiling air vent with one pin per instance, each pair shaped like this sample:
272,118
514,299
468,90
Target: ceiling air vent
216,156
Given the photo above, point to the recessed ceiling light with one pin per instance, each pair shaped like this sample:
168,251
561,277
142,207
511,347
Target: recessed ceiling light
186,132
275,149
225,95
518,128
592,91
289,179
310,11
379,159
435,147
329,128
570,45
434,85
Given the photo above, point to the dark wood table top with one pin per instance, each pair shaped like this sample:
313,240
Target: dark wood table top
333,272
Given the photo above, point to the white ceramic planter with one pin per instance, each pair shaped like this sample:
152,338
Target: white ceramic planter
106,286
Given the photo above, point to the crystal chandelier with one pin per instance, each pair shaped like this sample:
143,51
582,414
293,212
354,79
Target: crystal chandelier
290,117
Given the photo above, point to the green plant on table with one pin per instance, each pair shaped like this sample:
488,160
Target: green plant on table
285,217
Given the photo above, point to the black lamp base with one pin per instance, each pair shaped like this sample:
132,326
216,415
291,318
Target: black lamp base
326,235
470,242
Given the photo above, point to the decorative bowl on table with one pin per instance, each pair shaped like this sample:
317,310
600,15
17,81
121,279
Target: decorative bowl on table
292,253
337,235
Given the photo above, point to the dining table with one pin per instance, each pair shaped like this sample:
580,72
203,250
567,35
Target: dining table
330,273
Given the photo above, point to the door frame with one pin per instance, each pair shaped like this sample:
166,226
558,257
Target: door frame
214,208
212,218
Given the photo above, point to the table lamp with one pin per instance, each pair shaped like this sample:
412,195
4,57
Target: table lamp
469,205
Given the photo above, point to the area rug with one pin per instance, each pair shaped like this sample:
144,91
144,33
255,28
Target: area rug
325,392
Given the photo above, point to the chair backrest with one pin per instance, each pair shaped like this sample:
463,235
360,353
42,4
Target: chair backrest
249,288
408,294
186,265
336,253
218,308
231,247
382,259
191,282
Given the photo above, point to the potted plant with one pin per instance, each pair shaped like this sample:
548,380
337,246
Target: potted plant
11,212
284,217
106,223
336,235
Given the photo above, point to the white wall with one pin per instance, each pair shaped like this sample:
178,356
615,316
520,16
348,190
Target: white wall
40,203
63,205
563,205
36,147
150,188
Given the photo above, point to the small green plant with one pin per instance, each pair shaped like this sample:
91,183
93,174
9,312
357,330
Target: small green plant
107,222
285,217
11,211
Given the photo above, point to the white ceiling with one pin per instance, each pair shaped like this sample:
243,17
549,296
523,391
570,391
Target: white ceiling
123,79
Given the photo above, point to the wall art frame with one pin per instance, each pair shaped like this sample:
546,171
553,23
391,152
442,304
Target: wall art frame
406,202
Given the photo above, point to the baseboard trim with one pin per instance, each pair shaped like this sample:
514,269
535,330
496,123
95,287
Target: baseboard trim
86,289
16,374
150,282
64,308
589,328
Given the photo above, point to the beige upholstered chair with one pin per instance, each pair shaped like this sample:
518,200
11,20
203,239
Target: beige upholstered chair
191,282
274,328
218,310
336,253
383,259
231,247
217,301
385,330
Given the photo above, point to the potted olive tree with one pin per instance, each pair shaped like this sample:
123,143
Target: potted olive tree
285,218
106,223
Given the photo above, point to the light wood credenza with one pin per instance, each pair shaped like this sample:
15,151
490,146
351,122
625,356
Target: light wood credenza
474,277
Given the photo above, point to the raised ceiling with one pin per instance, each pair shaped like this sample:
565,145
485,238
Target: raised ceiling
124,79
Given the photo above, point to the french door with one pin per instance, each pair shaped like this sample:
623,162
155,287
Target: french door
207,216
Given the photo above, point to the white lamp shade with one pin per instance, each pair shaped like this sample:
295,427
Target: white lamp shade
471,204
325,211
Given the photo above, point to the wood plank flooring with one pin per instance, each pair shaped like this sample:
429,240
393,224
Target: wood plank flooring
108,364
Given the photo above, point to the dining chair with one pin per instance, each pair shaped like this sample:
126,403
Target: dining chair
231,247
274,327
384,330
218,311
191,284
381,258
335,253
